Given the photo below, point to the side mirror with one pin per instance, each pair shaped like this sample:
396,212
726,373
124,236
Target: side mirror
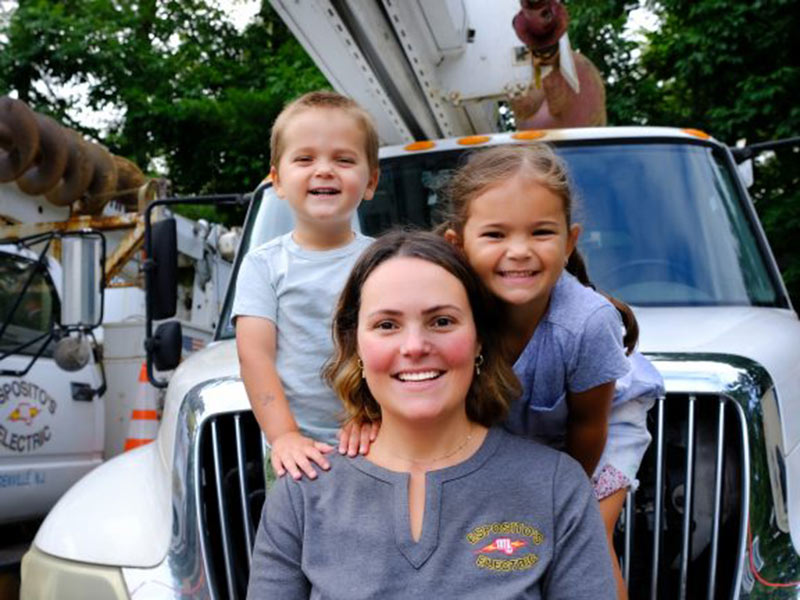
162,287
72,353
167,343
82,260
161,269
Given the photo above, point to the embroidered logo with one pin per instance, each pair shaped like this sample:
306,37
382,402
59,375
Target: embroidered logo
506,539
504,545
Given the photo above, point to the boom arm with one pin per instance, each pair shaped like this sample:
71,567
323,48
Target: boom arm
422,69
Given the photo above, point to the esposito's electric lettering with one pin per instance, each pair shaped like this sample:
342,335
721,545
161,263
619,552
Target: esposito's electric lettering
21,389
24,443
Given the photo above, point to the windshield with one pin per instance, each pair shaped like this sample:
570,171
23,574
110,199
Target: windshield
663,223
36,310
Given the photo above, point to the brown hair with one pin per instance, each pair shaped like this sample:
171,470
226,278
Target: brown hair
490,393
324,99
487,168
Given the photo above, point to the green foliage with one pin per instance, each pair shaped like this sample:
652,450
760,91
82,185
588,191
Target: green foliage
596,30
191,90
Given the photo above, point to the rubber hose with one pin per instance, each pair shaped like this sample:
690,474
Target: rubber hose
77,174
19,138
50,161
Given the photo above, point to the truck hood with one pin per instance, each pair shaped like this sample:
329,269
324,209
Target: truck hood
760,334
120,513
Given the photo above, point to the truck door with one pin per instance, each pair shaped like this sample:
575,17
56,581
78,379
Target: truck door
51,429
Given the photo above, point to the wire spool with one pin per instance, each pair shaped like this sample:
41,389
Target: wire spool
77,174
104,181
19,138
129,179
50,161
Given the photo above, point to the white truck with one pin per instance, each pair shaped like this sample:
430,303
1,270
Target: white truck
72,332
668,227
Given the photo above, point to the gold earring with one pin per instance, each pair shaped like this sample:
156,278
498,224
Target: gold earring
361,366
478,363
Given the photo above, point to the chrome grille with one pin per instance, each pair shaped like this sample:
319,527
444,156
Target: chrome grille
686,540
232,483
697,460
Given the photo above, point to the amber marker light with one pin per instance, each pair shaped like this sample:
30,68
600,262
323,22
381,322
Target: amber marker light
417,146
528,135
697,133
474,140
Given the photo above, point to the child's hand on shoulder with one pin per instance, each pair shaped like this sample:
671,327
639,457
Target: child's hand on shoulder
295,453
355,438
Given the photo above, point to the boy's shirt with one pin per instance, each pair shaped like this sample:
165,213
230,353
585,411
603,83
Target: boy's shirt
297,290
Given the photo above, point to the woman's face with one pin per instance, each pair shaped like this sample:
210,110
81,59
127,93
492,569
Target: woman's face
417,340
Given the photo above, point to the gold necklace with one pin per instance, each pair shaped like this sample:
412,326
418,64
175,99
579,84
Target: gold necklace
429,461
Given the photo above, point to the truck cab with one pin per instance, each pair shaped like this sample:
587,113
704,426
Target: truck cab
669,228
48,440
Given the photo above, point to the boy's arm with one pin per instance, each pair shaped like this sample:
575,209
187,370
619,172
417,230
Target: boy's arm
587,424
291,451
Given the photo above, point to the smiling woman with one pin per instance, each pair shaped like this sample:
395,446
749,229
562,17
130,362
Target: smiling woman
445,504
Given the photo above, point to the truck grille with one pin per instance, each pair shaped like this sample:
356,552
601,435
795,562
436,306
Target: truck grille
681,535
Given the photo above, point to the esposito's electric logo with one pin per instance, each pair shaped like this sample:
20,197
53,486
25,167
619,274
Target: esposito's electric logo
510,546
20,431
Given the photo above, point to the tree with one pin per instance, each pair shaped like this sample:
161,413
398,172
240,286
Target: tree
190,89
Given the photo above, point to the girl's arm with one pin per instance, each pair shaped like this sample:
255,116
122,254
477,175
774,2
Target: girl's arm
587,424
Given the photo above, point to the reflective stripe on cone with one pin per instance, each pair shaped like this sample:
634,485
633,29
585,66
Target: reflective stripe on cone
143,426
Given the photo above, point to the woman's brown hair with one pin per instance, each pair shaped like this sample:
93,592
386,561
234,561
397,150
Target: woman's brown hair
487,168
490,393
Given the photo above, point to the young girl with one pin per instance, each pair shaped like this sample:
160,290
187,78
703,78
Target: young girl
511,210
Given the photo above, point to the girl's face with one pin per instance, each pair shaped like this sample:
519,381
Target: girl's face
516,238
417,340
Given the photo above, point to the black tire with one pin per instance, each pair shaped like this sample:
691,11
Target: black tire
77,174
19,138
103,183
50,161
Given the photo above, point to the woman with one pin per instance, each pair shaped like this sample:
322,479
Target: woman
444,505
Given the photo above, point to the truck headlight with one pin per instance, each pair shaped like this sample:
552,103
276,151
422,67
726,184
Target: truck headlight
46,577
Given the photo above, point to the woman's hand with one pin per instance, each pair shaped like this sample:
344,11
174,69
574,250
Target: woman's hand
355,438
293,452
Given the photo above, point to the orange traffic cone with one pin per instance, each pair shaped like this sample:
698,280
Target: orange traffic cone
143,426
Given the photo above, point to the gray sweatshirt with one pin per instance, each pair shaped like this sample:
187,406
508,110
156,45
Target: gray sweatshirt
515,520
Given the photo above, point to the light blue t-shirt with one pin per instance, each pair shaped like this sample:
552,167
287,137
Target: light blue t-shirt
297,289
576,346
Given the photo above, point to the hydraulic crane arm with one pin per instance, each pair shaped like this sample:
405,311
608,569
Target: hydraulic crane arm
422,69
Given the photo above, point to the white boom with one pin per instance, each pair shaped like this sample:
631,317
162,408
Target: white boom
423,68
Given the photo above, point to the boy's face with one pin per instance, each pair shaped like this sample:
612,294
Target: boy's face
323,172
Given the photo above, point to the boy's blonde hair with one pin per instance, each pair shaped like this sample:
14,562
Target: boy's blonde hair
325,100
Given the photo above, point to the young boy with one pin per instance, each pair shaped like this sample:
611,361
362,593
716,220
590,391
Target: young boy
324,161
